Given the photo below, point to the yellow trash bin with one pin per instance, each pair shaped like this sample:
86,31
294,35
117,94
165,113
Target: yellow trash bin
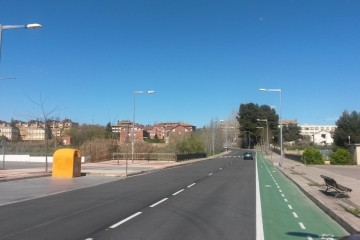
66,163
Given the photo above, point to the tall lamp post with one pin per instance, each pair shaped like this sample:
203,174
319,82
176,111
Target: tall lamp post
248,139
262,138
6,27
133,125
267,133
281,137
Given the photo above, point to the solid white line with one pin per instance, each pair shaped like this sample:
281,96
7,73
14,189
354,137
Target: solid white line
302,225
210,174
159,202
290,206
125,220
295,215
259,220
285,199
191,185
178,192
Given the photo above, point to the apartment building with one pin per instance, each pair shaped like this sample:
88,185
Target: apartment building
11,133
34,130
308,129
162,130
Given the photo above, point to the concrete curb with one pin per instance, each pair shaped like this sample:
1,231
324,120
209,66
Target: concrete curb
338,218
25,177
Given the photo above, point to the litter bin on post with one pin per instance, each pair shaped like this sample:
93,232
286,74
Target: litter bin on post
66,163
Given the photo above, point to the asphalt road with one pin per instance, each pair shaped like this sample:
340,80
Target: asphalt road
213,199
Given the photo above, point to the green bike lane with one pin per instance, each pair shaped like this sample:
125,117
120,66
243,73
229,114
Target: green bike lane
287,213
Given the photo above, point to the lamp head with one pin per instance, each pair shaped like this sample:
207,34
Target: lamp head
33,26
150,92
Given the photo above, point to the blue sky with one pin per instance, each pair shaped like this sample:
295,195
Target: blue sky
202,59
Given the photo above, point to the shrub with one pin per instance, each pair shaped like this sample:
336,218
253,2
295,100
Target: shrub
99,149
312,156
340,157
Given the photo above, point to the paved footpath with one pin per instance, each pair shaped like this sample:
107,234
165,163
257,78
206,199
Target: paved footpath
308,179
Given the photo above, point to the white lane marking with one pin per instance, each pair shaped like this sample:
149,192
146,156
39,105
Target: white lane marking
278,187
280,190
283,195
178,192
290,206
159,202
191,185
295,215
285,200
309,238
89,239
210,174
220,168
276,183
259,221
125,220
302,225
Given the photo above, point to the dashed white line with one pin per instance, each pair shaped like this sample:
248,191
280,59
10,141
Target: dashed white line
280,190
191,185
295,215
309,238
89,239
178,192
290,206
220,168
125,220
210,174
159,202
302,225
285,200
278,187
283,195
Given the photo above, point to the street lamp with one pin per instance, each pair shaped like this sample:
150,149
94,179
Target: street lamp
262,138
248,138
281,137
267,133
133,125
6,27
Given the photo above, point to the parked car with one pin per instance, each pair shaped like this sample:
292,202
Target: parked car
248,156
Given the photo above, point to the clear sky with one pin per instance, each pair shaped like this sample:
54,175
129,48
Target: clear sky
202,58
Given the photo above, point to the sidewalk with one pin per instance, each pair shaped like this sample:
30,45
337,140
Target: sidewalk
308,179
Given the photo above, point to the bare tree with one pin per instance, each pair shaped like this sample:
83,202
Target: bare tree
233,129
45,117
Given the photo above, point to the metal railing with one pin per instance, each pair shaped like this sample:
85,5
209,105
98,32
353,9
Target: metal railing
145,156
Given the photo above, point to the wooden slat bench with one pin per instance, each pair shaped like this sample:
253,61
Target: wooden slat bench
332,184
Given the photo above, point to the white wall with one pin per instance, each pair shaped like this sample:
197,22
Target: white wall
28,158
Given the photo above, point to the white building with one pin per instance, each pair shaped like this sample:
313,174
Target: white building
310,130
322,138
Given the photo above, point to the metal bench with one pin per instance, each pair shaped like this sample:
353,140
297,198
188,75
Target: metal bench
332,184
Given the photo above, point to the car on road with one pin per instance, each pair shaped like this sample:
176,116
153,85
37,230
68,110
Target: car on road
248,156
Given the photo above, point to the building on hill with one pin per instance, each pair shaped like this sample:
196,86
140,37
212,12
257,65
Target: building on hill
34,130
162,130
310,130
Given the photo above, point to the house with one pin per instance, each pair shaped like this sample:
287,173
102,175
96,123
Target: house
322,138
126,129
